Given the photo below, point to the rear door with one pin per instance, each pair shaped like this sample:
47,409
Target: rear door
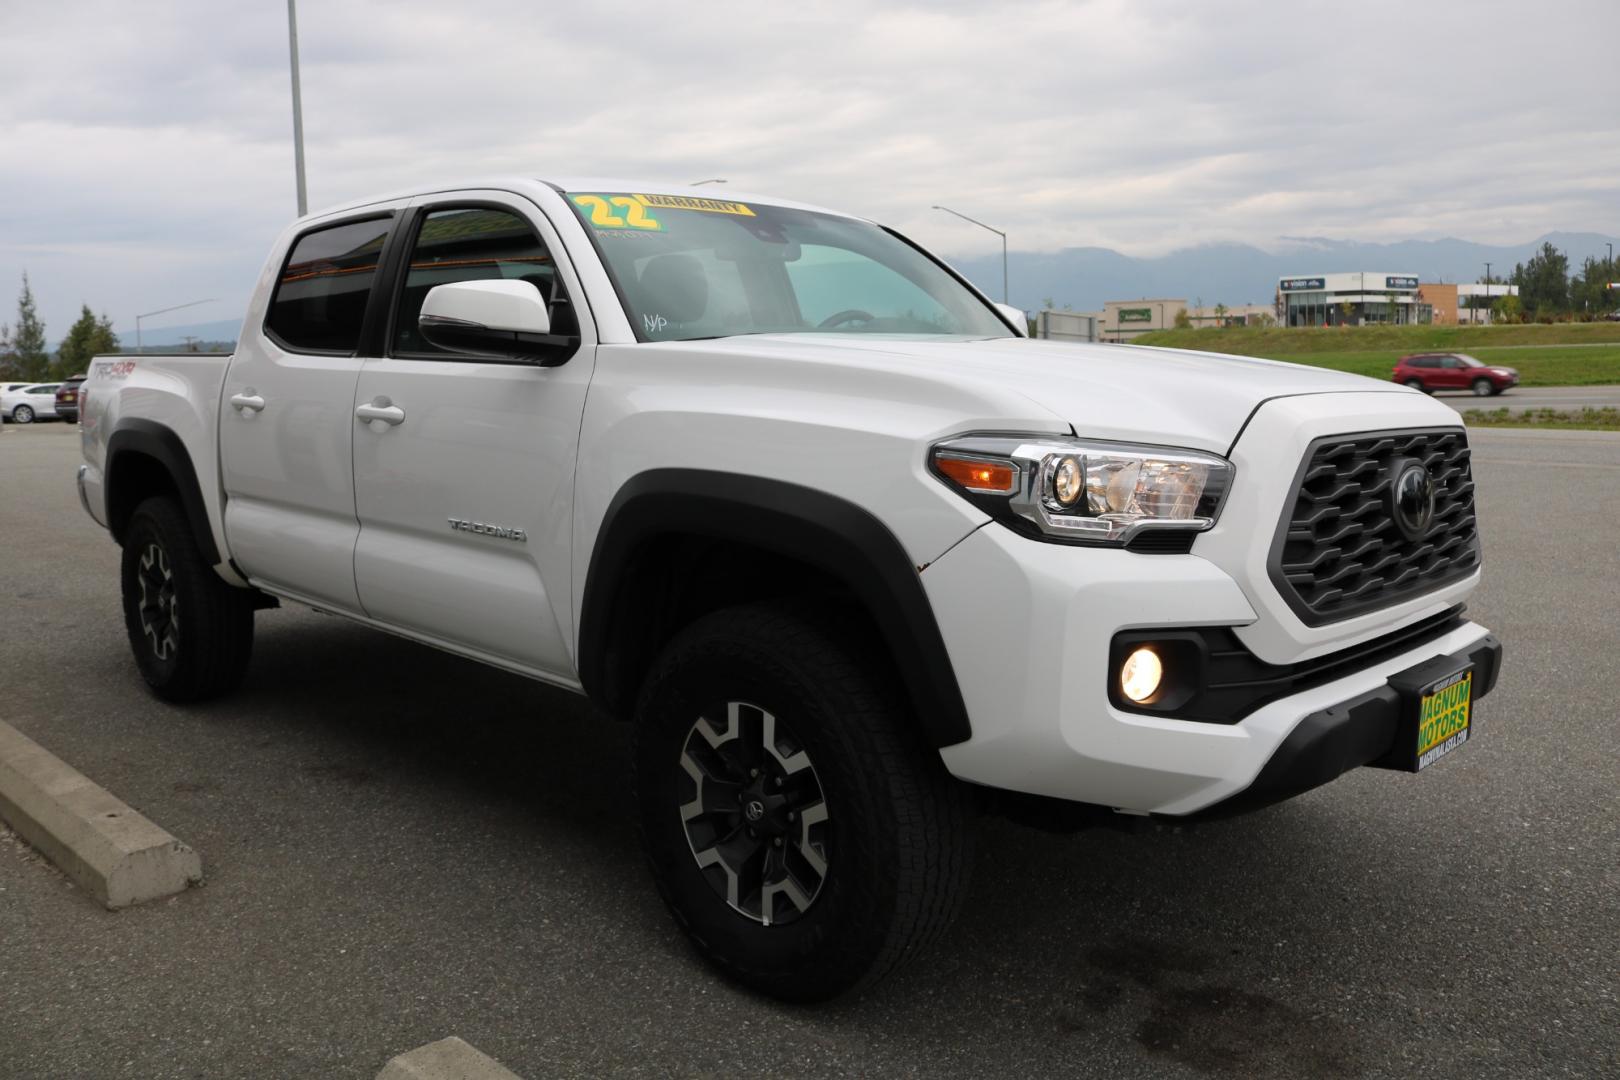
286,424
466,499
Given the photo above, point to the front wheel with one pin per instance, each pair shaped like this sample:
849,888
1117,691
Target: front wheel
192,634
22,414
1417,384
1483,388
800,831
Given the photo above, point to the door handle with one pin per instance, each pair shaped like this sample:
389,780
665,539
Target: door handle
247,401
383,409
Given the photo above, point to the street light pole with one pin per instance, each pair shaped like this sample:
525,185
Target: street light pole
999,233
298,107
163,311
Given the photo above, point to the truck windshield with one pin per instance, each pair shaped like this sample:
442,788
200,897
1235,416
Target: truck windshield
689,268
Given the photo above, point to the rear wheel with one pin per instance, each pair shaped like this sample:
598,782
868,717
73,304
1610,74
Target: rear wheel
801,833
1417,384
1483,388
192,634
22,414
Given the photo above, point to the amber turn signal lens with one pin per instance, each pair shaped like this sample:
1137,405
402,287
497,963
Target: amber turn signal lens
983,476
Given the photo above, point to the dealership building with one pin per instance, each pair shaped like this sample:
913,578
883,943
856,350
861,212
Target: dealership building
1350,299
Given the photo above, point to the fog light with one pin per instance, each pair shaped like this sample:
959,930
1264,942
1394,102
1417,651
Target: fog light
1140,675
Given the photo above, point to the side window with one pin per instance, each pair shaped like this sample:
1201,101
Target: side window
321,298
474,244
1450,362
1426,362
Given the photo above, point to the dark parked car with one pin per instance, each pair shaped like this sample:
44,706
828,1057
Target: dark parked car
67,398
1453,371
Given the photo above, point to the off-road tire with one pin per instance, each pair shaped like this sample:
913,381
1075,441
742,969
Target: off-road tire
898,829
212,638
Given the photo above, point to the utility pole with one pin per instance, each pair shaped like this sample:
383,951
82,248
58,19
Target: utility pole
298,107
999,233
162,311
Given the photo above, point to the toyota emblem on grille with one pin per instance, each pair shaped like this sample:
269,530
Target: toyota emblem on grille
1412,499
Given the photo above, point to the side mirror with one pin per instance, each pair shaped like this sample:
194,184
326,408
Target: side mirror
1017,317
507,320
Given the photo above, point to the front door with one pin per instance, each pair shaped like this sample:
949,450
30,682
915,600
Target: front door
287,423
1453,375
465,491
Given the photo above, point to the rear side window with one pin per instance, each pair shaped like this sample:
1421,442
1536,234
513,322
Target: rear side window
321,298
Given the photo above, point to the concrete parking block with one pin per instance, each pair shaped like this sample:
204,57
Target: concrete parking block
102,844
447,1059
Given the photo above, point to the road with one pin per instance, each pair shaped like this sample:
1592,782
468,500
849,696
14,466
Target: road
401,845
1537,397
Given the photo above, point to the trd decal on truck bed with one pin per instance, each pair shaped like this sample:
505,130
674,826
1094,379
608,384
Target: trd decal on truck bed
489,530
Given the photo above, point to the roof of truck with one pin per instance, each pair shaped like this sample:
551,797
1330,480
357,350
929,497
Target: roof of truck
570,184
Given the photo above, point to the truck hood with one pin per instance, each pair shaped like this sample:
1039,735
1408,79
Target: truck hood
1126,392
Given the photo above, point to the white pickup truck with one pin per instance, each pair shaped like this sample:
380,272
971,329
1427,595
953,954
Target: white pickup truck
785,492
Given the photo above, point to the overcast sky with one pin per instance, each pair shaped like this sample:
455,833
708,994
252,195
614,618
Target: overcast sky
146,152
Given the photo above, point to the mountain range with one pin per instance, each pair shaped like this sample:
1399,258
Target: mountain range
1232,274
1083,278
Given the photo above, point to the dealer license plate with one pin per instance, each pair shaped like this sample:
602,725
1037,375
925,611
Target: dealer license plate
1444,713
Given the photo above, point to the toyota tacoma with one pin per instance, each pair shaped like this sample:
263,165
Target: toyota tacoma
853,557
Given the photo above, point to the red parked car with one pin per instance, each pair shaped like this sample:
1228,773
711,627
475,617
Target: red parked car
67,398
1453,371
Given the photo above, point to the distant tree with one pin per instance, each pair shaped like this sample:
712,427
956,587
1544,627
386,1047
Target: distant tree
1544,282
1220,314
88,337
1182,321
1264,320
1507,309
1347,311
8,358
1589,292
28,338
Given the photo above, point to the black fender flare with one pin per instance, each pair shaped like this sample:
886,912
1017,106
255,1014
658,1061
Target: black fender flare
813,527
138,436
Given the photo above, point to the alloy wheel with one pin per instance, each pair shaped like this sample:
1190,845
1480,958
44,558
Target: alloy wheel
159,607
754,813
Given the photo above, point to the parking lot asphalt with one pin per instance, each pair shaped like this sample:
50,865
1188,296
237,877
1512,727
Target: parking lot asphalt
401,845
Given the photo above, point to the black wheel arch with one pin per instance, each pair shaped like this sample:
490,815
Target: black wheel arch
145,458
660,512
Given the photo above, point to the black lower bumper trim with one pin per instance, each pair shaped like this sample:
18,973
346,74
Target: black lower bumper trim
1329,743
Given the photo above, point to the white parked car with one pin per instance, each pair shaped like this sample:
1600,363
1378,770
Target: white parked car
783,491
29,402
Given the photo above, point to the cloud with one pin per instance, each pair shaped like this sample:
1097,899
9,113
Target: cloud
147,156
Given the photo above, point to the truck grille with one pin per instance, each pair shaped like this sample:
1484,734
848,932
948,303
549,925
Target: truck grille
1340,550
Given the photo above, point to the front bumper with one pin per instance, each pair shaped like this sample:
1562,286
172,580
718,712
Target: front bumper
1029,627
1330,742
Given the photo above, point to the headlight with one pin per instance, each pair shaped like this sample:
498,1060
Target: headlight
1083,491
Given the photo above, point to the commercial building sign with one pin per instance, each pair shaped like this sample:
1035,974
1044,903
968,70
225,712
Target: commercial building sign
1135,314
1302,284
1400,283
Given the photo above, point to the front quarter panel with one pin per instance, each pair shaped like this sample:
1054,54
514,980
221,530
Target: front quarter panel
855,431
